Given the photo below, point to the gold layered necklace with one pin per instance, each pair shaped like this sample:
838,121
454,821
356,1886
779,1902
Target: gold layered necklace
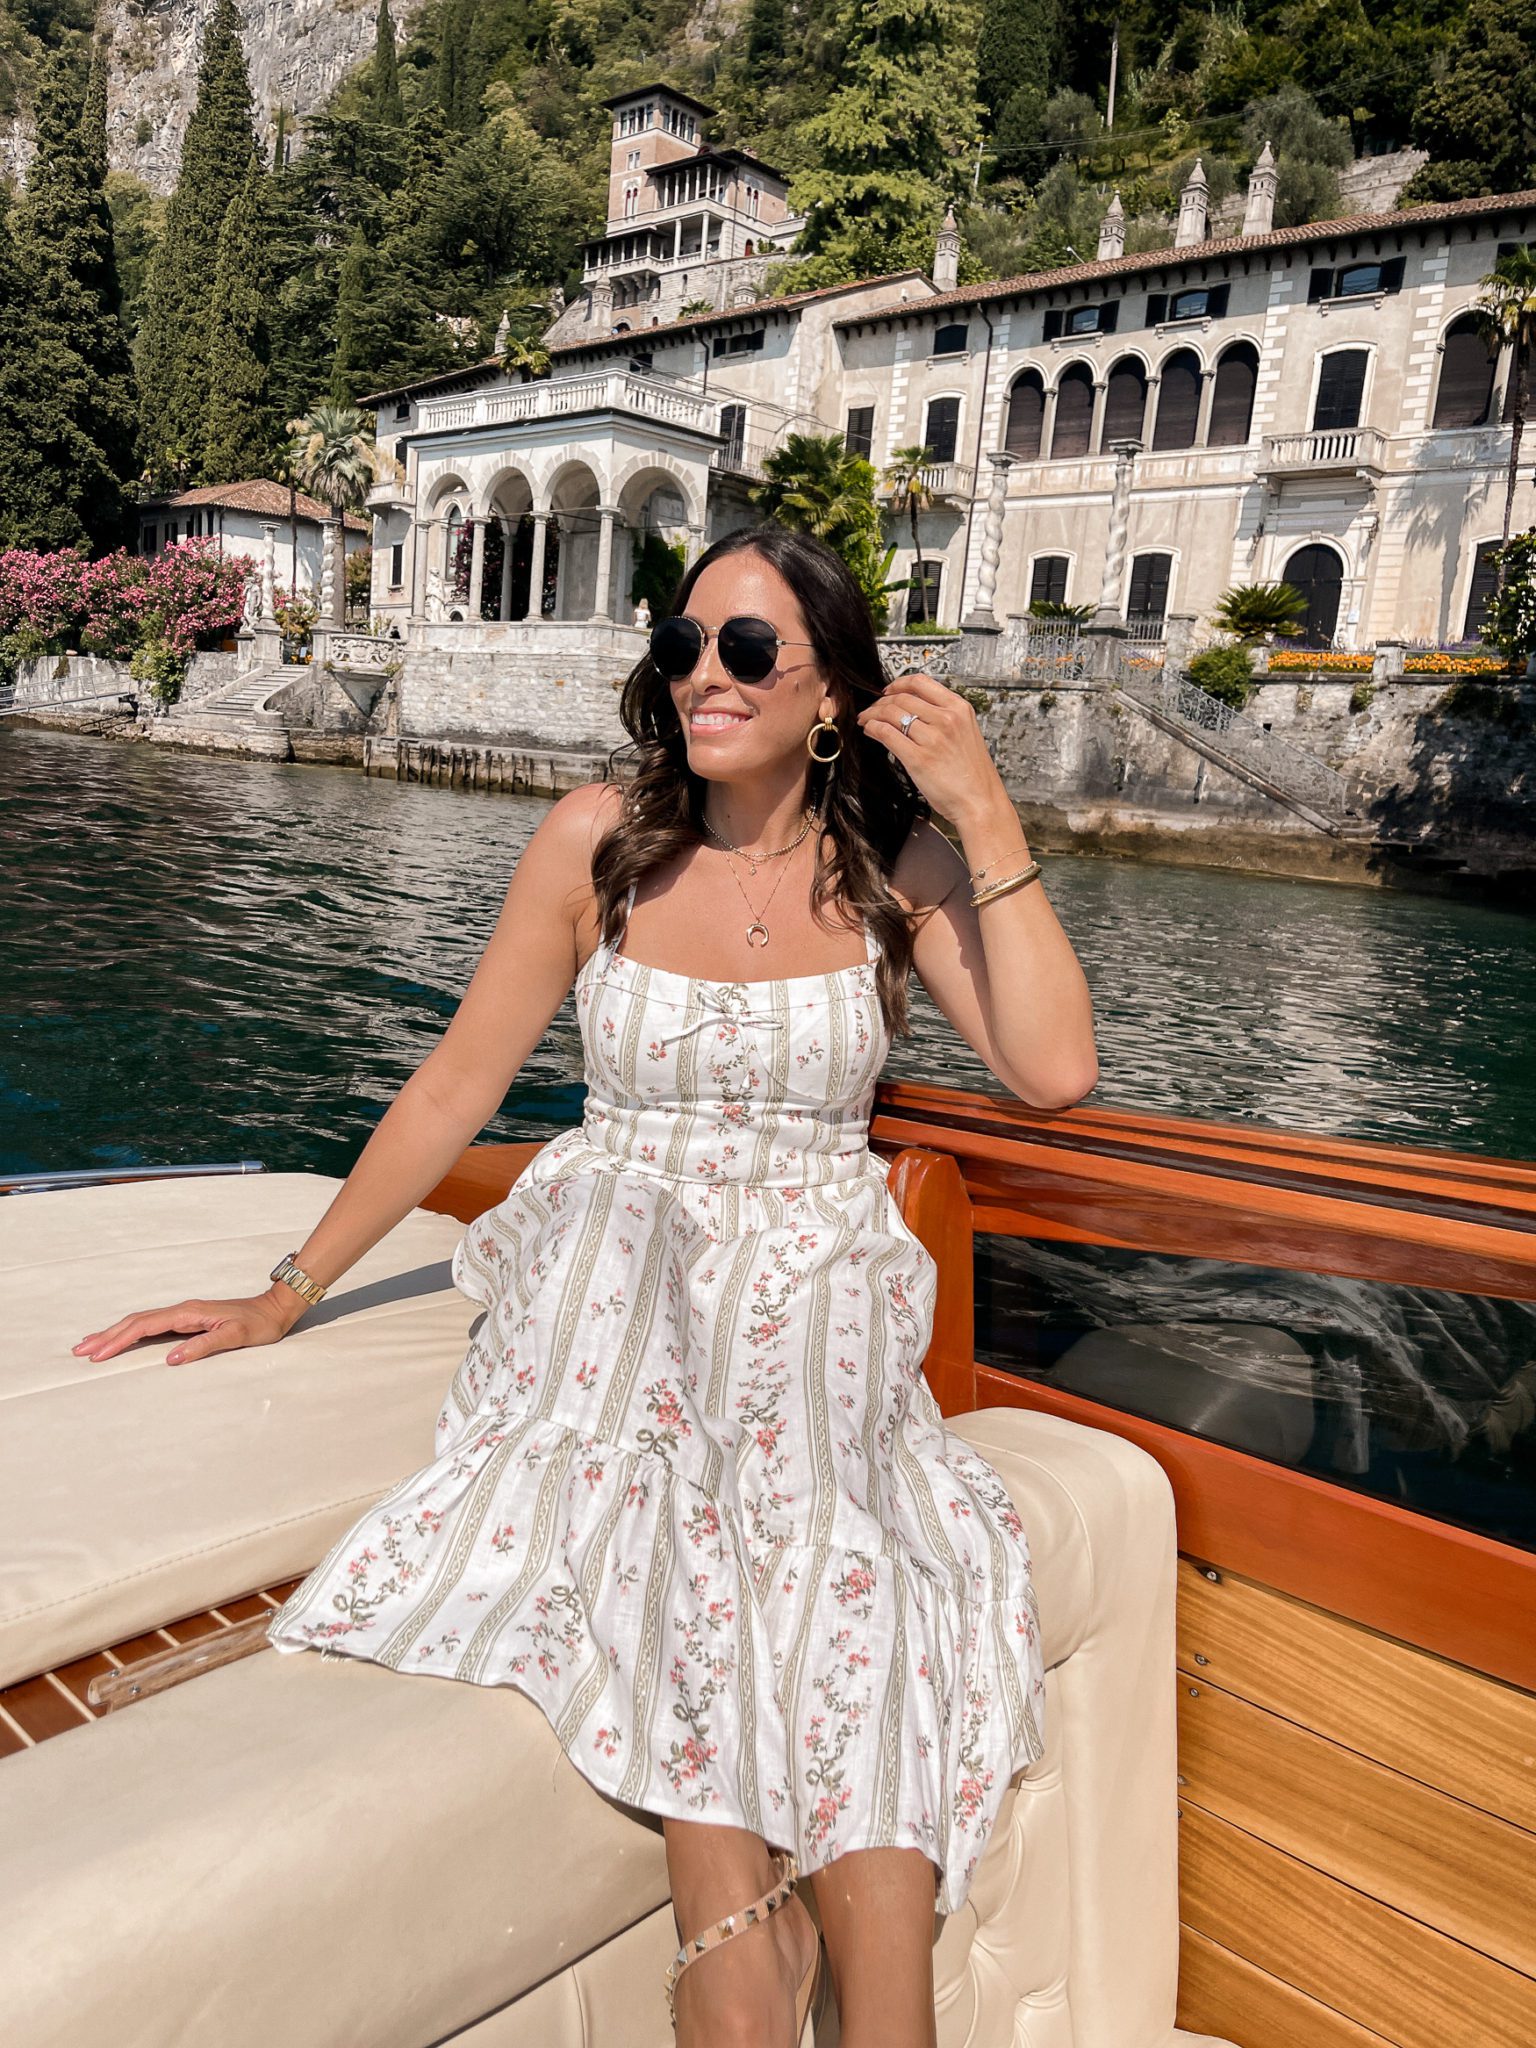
757,930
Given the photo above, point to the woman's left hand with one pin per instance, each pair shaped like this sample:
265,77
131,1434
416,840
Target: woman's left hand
942,749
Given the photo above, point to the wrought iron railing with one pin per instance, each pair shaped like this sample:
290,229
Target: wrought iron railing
1042,651
1245,740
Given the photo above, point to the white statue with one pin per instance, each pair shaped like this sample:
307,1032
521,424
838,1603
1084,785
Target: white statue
642,617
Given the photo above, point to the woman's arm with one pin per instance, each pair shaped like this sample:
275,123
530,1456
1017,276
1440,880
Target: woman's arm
1004,973
522,978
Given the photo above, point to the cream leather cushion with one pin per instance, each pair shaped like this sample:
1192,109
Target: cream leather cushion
132,1493
315,1850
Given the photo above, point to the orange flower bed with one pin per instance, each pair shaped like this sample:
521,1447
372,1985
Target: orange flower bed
1289,661
1436,664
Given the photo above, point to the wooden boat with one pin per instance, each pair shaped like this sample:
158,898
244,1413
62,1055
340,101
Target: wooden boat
1353,1676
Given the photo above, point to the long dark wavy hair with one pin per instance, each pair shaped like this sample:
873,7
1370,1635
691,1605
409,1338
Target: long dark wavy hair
866,801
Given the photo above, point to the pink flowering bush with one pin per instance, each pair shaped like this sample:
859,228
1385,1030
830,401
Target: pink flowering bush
184,598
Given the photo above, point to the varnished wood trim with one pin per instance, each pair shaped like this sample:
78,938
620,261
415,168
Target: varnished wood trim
933,1202
1417,1987
1438,1587
1447,1864
1221,1994
479,1180
1464,1733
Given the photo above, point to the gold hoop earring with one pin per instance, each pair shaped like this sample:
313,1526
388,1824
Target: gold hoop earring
828,725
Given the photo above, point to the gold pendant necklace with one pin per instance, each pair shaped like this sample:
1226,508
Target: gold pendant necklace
757,925
775,853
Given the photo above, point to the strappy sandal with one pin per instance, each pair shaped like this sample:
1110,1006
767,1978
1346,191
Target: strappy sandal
737,1923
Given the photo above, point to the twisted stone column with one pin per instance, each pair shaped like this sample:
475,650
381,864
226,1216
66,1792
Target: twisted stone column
982,615
1108,613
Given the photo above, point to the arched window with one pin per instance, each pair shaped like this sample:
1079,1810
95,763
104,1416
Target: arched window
1178,401
1232,401
1318,573
456,555
1048,580
1026,416
1125,402
941,431
1467,364
1340,388
733,427
1074,411
1148,599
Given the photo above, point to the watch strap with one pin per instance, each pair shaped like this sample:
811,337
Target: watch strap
293,1275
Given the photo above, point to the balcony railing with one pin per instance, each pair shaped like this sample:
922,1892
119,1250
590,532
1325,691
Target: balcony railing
1330,450
951,480
742,458
608,390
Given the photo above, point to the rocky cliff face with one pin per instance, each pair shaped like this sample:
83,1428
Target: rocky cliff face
298,52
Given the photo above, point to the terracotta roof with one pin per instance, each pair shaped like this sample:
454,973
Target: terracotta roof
268,500
637,92
1114,267
640,337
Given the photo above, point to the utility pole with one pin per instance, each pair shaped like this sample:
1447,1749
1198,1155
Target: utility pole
1114,67
976,173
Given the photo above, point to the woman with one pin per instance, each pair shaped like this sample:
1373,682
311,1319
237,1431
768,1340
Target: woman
691,1493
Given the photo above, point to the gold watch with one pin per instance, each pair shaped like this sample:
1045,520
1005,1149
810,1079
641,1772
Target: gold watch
288,1270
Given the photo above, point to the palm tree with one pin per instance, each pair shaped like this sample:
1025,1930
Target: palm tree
1507,316
1255,612
523,355
815,483
334,455
910,494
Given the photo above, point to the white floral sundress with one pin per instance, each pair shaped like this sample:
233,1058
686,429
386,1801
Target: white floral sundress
691,1492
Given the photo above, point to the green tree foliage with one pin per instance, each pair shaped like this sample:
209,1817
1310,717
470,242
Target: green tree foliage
38,445
1253,612
386,69
1015,59
891,142
813,483
65,251
219,148
1478,118
1310,151
241,435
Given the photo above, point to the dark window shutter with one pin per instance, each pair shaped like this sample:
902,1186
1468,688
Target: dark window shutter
1465,392
1125,402
1178,403
1053,321
942,428
1074,411
1232,401
1157,308
1026,417
1109,316
1321,286
860,436
1216,301
1392,274
1149,587
951,340
1484,577
1048,584
1340,387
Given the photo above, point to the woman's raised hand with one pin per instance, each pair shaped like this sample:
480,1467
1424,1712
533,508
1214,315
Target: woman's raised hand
214,1326
943,749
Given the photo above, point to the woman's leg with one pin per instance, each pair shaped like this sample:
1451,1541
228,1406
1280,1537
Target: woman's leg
742,1994
876,1911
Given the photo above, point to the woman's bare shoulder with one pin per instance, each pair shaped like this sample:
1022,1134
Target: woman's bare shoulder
576,822
927,868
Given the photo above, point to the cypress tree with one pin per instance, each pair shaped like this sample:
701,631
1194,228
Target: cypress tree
64,245
219,147
241,437
36,435
1014,51
386,69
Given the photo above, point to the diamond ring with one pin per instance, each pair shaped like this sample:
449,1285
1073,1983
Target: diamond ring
907,720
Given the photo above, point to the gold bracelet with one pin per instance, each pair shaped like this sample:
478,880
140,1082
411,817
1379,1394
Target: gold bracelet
997,863
1008,884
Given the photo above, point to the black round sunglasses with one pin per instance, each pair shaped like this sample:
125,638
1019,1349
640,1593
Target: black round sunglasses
749,647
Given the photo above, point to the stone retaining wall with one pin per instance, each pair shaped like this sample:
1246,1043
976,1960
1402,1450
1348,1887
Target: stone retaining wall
58,679
558,687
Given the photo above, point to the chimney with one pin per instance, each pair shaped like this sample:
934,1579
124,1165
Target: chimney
1194,207
946,254
1259,217
602,305
1112,231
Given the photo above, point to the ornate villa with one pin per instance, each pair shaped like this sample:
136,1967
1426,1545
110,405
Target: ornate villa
1134,433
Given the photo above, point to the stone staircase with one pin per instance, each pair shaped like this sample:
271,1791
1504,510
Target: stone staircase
1285,773
232,720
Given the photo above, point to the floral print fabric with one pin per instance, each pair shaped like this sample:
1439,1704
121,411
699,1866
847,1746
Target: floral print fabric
691,1493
